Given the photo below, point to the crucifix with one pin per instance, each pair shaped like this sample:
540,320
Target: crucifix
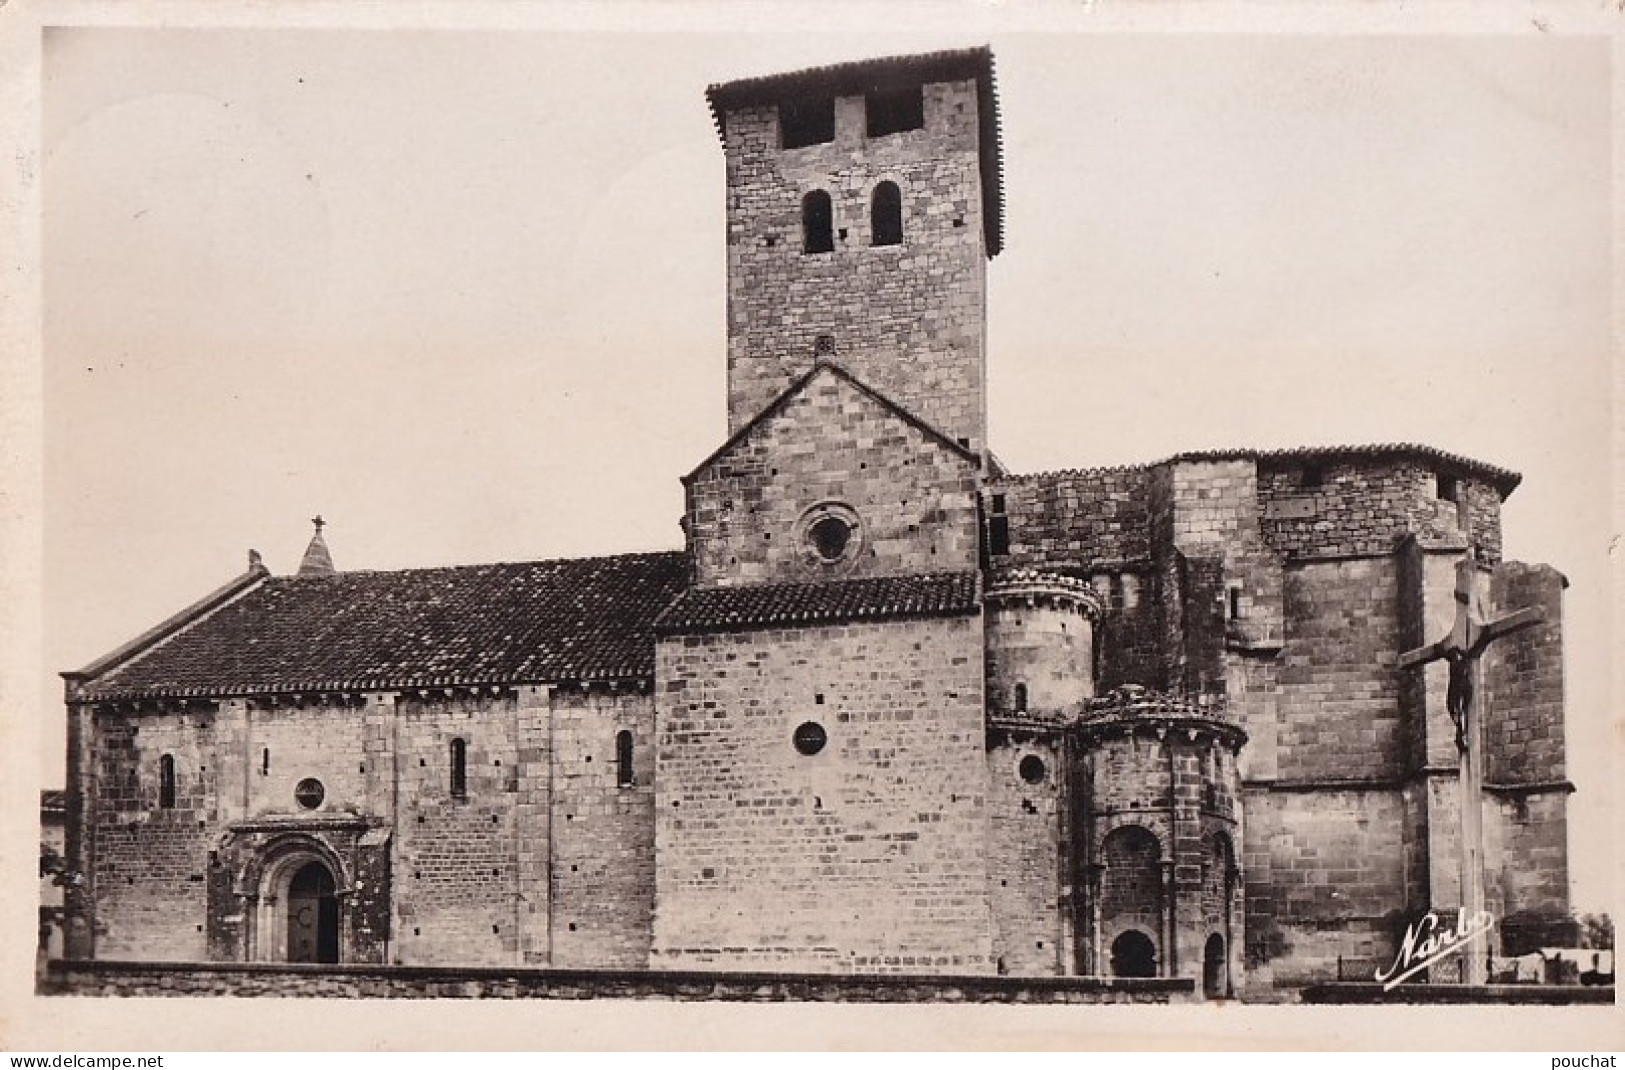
1461,650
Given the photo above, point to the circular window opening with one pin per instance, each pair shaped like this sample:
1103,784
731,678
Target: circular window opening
1032,769
309,793
830,537
810,738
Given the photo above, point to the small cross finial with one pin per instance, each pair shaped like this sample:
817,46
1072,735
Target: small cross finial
319,522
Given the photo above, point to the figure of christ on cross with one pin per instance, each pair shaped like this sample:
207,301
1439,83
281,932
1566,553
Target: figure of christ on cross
1462,650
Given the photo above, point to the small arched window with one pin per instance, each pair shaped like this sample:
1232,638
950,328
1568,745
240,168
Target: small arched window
1021,698
166,782
886,215
817,223
459,769
624,776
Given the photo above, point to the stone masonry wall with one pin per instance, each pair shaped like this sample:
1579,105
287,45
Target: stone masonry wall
603,831
288,743
914,496
1364,507
1232,584
868,856
1524,747
1132,775
151,862
1339,709
908,319
545,857
1337,880
373,982
1076,521
1047,651
1526,855
1093,525
456,889
1030,914
1523,680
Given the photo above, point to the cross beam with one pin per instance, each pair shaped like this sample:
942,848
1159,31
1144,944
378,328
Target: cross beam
1470,636
1490,631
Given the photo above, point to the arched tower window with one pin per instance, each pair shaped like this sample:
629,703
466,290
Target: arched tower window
166,781
1021,698
624,776
459,769
817,223
886,215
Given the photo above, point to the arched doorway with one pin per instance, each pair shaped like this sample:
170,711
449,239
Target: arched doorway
313,915
1134,955
1131,899
1214,985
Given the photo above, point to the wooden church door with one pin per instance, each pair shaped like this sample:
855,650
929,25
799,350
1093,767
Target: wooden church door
313,916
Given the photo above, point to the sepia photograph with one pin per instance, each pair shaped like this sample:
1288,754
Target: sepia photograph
1075,519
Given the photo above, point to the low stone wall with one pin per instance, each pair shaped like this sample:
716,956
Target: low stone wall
1366,992
106,978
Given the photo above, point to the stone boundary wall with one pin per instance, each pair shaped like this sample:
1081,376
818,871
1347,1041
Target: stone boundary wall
107,978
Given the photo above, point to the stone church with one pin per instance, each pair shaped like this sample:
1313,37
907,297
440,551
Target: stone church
890,708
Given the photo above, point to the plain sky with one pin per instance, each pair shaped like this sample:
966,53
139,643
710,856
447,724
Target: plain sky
462,293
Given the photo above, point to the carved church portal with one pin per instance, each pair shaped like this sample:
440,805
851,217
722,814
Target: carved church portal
313,916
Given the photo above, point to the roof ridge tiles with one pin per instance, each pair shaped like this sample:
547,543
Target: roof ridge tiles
1505,480
421,569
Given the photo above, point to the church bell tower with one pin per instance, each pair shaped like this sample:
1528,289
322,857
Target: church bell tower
864,201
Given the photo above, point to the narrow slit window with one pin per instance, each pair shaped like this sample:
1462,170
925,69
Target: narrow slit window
265,762
1447,489
624,773
459,769
886,215
1021,698
1235,603
166,782
817,223
998,528
998,535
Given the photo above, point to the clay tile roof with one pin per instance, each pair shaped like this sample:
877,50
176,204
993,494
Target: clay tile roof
561,620
1135,700
724,608
853,79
